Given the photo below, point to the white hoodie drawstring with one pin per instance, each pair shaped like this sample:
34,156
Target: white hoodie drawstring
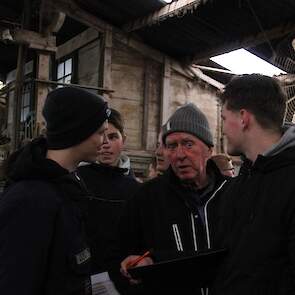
177,238
194,232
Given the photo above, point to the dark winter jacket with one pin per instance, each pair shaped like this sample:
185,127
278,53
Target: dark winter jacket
258,225
109,187
42,244
162,216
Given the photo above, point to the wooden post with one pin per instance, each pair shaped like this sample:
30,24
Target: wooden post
17,100
19,79
165,98
146,102
107,61
42,73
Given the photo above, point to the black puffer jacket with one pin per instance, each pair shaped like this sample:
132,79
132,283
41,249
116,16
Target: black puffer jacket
42,241
109,188
161,217
258,227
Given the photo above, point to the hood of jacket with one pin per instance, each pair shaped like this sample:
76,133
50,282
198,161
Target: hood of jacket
124,163
30,162
286,141
123,167
281,154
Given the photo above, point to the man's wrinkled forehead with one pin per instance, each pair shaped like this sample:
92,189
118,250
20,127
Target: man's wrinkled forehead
181,136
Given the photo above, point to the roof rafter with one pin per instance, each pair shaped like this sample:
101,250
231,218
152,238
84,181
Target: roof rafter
248,42
177,8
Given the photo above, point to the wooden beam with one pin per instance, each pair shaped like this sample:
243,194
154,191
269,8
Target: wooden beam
106,68
247,42
34,40
73,10
77,42
146,103
19,79
3,100
166,91
211,69
199,74
50,20
42,72
50,82
176,8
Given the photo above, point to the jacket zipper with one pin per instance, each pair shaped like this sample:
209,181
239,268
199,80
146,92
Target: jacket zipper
205,291
206,216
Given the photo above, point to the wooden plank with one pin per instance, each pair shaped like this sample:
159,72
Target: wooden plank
107,60
74,85
34,40
73,10
247,42
165,95
146,103
180,7
42,72
199,74
77,42
19,80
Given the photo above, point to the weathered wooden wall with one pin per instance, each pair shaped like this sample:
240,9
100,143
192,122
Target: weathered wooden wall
148,87
135,79
140,83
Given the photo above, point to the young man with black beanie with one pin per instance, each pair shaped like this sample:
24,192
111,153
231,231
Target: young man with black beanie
43,246
174,214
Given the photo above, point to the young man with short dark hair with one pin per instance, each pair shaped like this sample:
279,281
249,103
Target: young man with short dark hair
258,216
110,182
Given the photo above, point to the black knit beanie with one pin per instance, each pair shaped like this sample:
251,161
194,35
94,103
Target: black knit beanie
189,119
72,115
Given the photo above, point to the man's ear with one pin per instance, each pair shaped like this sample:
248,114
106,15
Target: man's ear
245,117
210,151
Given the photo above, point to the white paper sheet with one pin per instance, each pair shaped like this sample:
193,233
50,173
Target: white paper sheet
102,285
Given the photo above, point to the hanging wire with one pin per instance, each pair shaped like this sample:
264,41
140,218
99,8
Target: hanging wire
285,57
260,26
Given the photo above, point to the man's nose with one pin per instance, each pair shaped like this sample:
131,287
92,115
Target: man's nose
159,151
105,139
180,152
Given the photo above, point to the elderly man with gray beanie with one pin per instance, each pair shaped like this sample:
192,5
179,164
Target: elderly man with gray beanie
175,214
43,244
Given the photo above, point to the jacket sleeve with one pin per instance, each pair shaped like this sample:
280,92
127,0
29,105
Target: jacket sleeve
127,243
26,229
290,212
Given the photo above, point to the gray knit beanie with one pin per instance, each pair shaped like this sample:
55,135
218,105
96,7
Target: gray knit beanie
189,119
